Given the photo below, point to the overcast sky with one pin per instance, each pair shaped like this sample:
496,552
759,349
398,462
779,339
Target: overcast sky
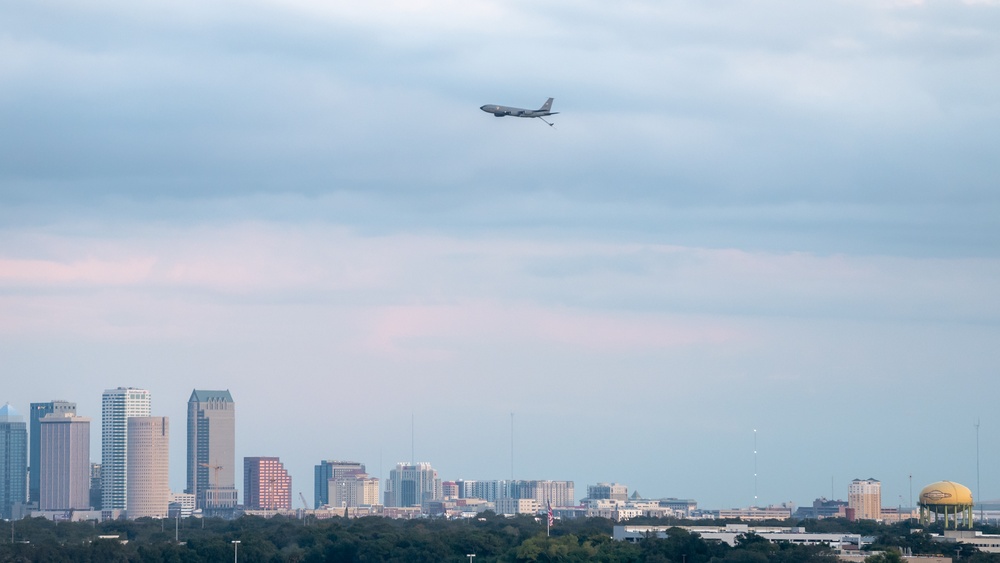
773,215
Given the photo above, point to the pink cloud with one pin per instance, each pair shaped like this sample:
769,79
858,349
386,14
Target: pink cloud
422,329
87,271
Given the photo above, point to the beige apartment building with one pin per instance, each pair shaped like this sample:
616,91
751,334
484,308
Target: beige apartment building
864,496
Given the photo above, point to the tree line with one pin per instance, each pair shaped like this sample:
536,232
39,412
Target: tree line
490,538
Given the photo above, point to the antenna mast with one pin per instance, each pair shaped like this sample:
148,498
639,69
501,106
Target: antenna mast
755,467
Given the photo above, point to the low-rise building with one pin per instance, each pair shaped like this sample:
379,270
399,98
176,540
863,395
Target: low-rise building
988,543
728,534
757,513
510,506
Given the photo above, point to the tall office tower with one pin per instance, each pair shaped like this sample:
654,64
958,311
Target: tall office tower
331,469
355,489
865,497
211,449
266,484
35,415
412,485
95,486
13,460
117,406
612,491
63,462
148,467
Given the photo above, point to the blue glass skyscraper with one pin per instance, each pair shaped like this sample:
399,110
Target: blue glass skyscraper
13,460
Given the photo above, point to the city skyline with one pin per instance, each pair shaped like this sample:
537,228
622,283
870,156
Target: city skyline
779,216
203,397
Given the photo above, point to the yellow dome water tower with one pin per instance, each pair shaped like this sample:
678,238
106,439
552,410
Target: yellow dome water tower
948,499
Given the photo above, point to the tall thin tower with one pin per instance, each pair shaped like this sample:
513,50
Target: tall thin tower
755,467
117,406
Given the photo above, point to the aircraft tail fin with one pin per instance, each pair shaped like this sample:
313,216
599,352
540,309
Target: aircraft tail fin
547,106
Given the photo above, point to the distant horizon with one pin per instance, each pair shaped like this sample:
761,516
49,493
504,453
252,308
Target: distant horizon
179,476
779,216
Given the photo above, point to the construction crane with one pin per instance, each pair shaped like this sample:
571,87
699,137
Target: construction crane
215,482
305,507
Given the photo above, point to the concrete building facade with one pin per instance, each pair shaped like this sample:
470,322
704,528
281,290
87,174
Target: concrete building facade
117,406
64,461
36,413
211,450
148,467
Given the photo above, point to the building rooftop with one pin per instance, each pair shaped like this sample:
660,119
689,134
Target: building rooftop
8,414
204,395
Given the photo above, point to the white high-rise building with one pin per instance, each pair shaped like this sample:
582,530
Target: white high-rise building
117,406
412,485
865,497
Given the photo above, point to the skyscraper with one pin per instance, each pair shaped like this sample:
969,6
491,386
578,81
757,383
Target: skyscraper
64,461
35,414
266,484
148,466
412,485
328,470
117,406
13,460
865,497
211,449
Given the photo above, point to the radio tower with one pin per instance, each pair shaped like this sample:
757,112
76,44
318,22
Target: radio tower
755,467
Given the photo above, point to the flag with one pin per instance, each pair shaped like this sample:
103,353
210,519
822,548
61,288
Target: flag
550,514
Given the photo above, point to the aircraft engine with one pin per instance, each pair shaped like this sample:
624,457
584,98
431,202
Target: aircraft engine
499,114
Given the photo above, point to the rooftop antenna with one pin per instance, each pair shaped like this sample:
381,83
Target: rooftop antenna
413,459
755,467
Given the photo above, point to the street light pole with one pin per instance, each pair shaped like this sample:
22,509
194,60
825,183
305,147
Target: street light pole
236,551
470,556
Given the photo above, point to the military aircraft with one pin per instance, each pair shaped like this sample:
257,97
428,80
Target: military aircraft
540,113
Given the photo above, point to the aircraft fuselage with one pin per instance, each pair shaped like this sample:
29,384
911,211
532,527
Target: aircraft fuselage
503,111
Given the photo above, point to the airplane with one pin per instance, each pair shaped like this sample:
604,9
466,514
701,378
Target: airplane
502,111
